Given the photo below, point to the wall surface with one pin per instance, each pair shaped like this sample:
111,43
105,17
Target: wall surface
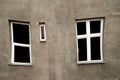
56,59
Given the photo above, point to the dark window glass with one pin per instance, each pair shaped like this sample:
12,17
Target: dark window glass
81,28
22,54
82,46
94,26
42,32
21,33
95,48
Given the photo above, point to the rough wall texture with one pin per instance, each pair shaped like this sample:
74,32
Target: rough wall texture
56,58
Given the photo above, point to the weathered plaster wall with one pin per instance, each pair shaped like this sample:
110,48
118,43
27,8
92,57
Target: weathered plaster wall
56,58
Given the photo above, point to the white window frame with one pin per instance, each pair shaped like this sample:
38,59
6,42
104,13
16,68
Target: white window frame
42,25
89,35
19,44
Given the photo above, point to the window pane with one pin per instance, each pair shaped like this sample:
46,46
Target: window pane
95,48
81,28
22,54
42,32
94,26
82,46
21,33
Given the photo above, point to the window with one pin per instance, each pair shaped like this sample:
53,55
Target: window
42,32
21,49
89,41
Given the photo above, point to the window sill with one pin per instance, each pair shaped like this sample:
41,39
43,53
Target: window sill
90,62
16,64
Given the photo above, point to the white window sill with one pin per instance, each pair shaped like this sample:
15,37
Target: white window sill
20,64
90,62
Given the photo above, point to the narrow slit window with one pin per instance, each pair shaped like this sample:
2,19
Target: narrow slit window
42,32
89,41
21,49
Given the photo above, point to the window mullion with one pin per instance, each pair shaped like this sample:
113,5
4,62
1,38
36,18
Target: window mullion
88,41
95,35
81,36
12,55
101,40
12,51
24,45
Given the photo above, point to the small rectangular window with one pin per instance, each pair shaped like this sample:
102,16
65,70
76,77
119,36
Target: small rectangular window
21,49
89,41
42,32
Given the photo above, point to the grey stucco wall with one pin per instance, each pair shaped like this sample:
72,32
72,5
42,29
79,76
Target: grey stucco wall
56,58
